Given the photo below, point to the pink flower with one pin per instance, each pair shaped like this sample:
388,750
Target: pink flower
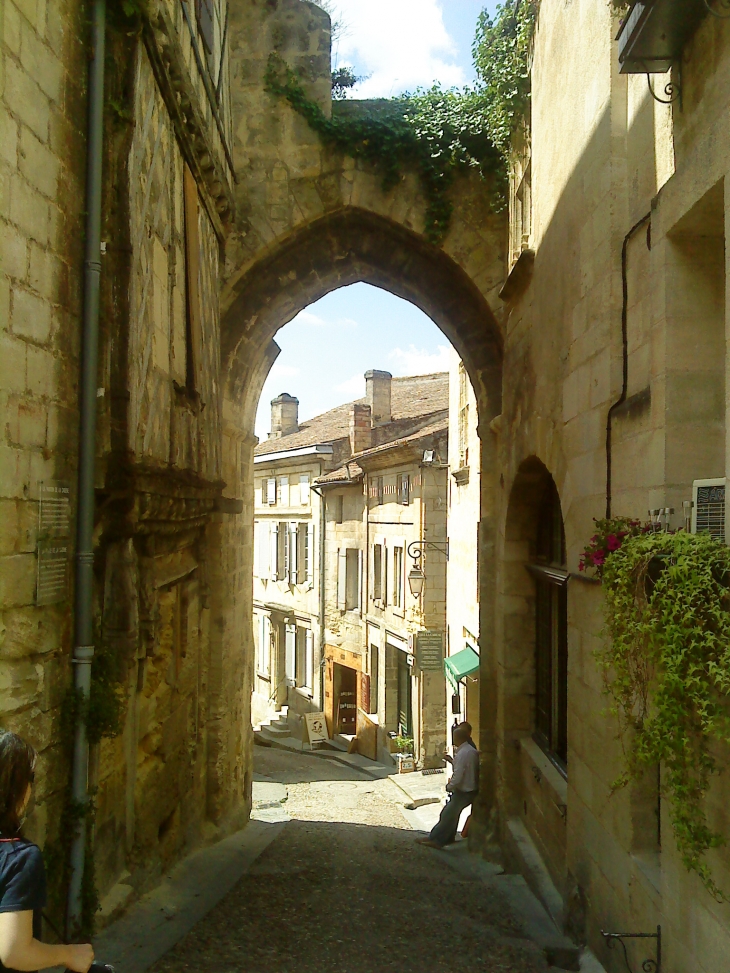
599,558
613,542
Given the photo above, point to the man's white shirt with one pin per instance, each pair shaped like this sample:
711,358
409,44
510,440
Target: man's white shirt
466,769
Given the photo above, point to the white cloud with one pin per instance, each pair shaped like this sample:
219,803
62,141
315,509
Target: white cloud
418,361
354,387
282,371
400,44
309,319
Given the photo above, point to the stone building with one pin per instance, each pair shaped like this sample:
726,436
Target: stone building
462,573
614,399
173,770
390,495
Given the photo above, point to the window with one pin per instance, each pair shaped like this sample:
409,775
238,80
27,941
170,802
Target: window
397,577
304,658
304,552
380,489
349,567
463,418
304,489
403,487
264,653
339,508
551,631
284,491
271,490
194,327
377,572
374,676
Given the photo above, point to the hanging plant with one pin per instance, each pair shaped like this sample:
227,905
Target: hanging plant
609,536
667,669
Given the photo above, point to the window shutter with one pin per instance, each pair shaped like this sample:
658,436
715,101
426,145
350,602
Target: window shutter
293,553
282,564
274,552
304,489
341,579
258,493
361,593
291,652
271,490
262,645
309,553
384,580
309,661
256,549
284,490
264,549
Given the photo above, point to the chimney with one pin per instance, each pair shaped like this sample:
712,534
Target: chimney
284,415
360,437
377,393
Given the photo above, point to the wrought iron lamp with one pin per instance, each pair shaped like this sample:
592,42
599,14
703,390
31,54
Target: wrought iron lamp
416,576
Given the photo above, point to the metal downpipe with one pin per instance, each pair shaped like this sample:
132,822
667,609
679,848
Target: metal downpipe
84,573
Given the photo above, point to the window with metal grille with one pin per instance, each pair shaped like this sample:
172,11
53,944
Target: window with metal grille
710,511
551,631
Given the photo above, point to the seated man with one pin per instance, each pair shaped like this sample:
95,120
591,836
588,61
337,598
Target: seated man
463,787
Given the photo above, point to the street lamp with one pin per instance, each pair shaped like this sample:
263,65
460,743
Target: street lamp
416,577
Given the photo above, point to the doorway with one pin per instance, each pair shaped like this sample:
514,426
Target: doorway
345,699
405,708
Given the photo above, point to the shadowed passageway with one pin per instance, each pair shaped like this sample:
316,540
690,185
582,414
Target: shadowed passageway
344,888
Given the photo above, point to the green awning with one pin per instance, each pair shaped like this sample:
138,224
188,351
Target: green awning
460,665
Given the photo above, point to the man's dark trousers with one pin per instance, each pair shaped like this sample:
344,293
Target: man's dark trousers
444,831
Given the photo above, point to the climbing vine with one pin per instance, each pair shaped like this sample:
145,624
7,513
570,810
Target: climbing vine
667,670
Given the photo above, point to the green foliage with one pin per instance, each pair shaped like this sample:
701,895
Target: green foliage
433,132
344,79
502,56
667,670
610,535
403,744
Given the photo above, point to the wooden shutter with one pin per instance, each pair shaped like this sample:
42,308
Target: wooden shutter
341,579
309,661
282,555
293,553
274,552
271,490
290,652
192,281
264,542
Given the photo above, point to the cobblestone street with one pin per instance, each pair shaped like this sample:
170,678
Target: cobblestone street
344,889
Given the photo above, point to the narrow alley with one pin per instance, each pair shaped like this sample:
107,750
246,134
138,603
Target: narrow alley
344,887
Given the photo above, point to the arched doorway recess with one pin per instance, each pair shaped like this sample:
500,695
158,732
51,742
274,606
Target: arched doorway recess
342,248
532,667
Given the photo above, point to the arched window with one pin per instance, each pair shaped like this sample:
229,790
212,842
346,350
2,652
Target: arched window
551,630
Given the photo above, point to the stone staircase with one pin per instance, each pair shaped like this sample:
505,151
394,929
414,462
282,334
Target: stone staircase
287,731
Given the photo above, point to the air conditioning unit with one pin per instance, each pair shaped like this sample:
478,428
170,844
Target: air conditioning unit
708,511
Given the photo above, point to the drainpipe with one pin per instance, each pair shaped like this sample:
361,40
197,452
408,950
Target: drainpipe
625,356
84,574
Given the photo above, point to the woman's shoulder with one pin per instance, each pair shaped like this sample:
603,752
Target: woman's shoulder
19,849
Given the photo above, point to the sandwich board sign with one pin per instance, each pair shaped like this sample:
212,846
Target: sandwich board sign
316,727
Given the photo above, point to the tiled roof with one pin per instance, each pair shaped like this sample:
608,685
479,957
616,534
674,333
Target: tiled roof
349,473
352,471
412,397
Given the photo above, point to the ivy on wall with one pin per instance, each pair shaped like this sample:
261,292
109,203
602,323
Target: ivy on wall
667,670
437,133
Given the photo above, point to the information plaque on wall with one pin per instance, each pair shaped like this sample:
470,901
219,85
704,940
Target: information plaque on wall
54,527
430,651
52,572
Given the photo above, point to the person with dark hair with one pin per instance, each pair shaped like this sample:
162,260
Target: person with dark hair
23,875
462,786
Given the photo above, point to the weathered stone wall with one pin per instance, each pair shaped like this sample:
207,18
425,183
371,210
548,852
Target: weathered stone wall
604,155
42,150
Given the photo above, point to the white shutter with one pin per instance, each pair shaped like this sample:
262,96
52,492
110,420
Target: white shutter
302,552
293,554
304,489
291,652
341,580
256,549
284,491
258,493
361,593
271,490
309,660
274,551
309,553
264,552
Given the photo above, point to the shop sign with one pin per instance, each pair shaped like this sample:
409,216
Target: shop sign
430,651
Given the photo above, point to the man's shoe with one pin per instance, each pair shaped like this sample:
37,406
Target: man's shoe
428,843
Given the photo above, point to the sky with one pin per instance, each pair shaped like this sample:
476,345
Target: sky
400,45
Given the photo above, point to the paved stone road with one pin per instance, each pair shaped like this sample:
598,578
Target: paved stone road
344,889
